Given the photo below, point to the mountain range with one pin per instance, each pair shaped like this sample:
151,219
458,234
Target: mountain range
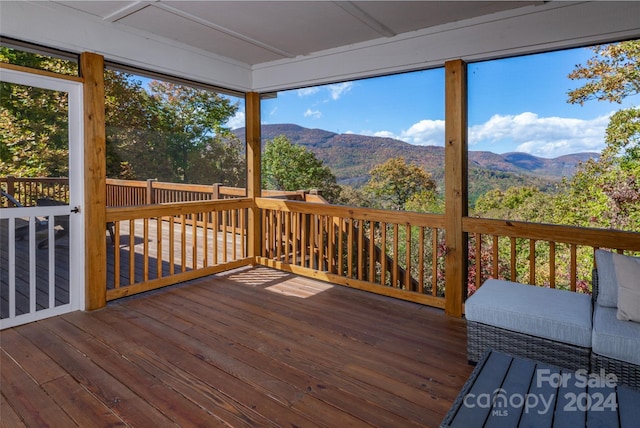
351,157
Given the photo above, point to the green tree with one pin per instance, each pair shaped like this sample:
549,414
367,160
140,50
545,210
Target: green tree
170,132
287,166
33,121
394,182
612,75
192,128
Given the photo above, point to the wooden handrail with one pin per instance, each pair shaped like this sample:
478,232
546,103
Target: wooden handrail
599,238
566,244
357,247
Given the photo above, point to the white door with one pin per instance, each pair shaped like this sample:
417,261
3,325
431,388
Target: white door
41,224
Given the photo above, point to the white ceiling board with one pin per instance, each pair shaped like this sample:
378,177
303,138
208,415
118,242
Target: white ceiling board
57,26
555,25
255,32
405,16
99,8
175,27
267,46
294,27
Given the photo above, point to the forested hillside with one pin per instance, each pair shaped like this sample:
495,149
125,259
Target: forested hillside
350,157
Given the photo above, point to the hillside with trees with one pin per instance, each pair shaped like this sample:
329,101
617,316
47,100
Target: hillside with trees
351,157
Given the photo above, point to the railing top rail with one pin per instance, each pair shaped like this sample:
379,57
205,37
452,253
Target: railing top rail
400,217
35,179
175,208
601,238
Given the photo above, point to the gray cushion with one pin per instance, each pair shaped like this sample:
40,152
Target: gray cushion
610,268
559,315
607,281
614,338
628,273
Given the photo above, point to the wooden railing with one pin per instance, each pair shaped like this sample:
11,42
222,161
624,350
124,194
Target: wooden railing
121,193
131,192
554,256
392,253
386,252
27,191
402,254
163,244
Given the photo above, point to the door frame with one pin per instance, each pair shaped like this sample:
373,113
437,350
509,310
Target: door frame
74,89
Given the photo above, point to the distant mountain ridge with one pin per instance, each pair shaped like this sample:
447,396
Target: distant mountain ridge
352,156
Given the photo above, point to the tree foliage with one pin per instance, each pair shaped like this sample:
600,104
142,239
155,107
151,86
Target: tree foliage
288,166
160,130
33,121
394,183
611,74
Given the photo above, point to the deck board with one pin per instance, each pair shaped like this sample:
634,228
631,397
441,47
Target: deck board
239,349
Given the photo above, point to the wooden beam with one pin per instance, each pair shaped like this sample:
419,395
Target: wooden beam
456,198
254,181
95,188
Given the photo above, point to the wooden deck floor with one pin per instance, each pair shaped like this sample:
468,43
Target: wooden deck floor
253,347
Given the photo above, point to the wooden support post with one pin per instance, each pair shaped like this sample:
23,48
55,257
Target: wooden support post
456,206
95,181
254,186
151,196
215,192
11,190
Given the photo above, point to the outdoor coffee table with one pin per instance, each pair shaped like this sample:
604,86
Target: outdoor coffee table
507,391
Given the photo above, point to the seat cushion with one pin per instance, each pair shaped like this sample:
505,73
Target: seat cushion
558,315
612,267
614,338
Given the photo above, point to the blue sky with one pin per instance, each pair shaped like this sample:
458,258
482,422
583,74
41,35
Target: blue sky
515,104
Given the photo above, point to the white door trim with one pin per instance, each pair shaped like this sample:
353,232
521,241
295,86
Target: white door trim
76,187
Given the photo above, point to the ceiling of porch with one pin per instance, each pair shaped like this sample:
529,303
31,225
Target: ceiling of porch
254,32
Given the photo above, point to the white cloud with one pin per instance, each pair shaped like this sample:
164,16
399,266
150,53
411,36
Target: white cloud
305,92
339,89
315,114
237,121
526,132
541,136
425,133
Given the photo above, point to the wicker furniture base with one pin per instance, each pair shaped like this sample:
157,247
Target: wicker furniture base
628,374
482,337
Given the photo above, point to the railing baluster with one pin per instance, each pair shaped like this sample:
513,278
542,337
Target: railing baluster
478,261
172,243
234,241
145,249
396,255
372,251
496,274
132,252
287,236
421,260
303,245
514,272
573,270
407,257
552,264
532,261
116,255
341,226
383,253
183,243
159,256
350,248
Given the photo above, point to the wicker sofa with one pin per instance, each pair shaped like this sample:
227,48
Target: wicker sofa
557,327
